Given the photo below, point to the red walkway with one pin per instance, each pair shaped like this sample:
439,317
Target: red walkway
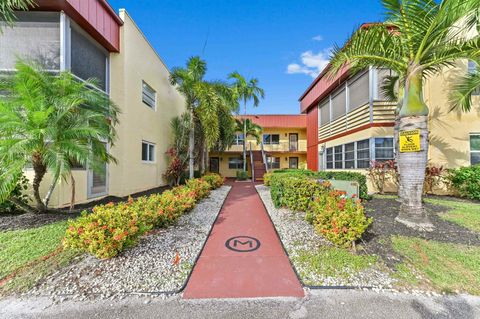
246,269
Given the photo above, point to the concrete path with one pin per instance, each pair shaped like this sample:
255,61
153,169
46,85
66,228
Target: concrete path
243,257
317,304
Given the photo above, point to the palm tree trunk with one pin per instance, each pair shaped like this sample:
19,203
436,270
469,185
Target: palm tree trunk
411,165
40,169
72,198
191,144
48,196
396,134
245,137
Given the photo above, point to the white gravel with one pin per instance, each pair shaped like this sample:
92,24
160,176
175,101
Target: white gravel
148,267
297,235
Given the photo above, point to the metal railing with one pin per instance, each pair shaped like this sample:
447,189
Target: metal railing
264,157
251,162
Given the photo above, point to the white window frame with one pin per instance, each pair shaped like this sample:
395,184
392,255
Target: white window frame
470,148
374,154
147,86
239,139
238,161
272,160
149,144
270,139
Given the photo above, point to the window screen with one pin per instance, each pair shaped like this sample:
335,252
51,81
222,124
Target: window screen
271,139
338,104
325,112
148,152
350,155
363,154
359,92
338,156
384,149
330,158
88,60
235,163
273,162
35,36
475,149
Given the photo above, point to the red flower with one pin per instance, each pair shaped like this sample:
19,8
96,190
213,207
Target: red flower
176,260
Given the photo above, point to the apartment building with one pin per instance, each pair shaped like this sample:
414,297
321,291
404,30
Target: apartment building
92,41
283,145
350,123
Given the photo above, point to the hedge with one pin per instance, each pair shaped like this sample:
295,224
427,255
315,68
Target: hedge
110,228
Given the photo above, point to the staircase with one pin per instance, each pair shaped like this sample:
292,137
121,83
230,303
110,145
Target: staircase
258,166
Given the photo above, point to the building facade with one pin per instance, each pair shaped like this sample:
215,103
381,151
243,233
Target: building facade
350,123
89,39
283,141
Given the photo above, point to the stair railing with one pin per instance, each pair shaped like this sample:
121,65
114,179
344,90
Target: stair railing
251,162
264,158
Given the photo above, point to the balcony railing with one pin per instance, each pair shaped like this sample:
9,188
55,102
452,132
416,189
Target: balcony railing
282,146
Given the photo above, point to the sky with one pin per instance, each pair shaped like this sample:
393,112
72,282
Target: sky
283,43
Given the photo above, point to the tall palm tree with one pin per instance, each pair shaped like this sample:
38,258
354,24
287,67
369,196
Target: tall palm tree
249,129
246,91
466,87
204,101
50,121
418,39
8,8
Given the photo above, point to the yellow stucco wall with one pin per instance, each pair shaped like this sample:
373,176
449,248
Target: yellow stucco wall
136,62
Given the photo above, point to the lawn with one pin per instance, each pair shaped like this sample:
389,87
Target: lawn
447,267
463,213
28,255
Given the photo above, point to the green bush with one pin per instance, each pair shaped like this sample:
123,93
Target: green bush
266,178
338,175
242,175
19,193
466,180
111,228
215,180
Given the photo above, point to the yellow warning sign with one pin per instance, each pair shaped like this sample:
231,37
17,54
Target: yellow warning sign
410,141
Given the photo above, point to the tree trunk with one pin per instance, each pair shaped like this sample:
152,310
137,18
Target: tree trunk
72,198
411,165
207,158
396,129
46,200
245,138
202,158
191,144
40,169
22,206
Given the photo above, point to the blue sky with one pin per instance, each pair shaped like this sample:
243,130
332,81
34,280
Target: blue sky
283,43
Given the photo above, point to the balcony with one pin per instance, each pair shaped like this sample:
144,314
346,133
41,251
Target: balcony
282,147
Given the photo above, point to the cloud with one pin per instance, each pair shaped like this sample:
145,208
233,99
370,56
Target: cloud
312,63
317,38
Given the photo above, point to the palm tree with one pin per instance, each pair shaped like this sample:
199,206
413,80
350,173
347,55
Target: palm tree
418,39
249,128
204,101
50,121
8,8
246,91
463,91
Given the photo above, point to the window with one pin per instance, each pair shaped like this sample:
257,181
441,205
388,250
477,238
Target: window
384,149
350,155
472,68
475,149
269,139
382,77
273,162
148,152
235,163
325,112
238,139
338,156
359,92
363,154
149,96
338,104
330,158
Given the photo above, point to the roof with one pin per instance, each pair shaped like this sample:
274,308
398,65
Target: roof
277,120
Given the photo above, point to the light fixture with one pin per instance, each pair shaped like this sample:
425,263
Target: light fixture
286,158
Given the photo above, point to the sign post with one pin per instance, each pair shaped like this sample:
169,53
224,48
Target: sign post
410,141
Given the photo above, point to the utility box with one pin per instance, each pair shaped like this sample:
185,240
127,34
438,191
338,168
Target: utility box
350,187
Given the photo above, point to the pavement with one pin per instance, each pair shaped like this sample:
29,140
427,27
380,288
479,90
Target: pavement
316,304
243,256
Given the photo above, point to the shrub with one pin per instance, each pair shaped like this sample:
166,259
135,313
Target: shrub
215,180
434,175
338,175
381,172
176,168
200,188
466,180
242,175
266,178
110,228
340,220
18,193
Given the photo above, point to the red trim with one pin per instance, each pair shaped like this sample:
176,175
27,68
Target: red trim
358,129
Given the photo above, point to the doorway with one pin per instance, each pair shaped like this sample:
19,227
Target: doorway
214,165
97,180
293,162
293,142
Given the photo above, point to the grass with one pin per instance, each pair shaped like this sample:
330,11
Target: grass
448,267
331,262
28,255
462,213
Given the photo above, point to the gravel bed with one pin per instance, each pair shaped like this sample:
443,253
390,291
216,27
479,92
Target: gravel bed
298,235
147,268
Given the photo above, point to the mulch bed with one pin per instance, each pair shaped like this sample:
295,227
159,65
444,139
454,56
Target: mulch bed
22,220
384,210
